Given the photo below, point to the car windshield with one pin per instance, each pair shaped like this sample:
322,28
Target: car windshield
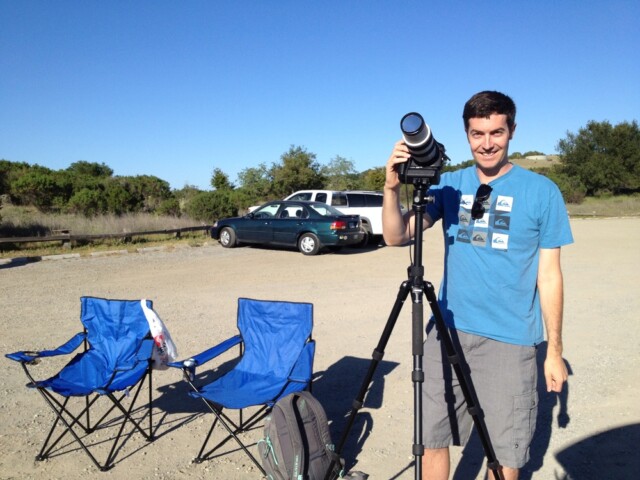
324,209
266,211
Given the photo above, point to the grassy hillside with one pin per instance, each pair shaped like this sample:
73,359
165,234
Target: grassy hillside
538,162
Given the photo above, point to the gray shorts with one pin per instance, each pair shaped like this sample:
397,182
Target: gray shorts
504,377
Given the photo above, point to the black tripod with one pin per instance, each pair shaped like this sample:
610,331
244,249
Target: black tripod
417,286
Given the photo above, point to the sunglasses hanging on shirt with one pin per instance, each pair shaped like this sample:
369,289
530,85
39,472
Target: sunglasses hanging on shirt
482,195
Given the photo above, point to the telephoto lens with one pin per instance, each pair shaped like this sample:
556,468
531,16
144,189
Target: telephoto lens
417,136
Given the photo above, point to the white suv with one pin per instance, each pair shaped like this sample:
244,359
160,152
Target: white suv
351,202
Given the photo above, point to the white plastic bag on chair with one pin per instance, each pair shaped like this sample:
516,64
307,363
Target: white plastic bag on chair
164,350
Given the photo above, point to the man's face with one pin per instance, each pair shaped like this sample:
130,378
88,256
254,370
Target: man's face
489,141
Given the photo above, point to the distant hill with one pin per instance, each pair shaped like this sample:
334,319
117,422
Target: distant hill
536,161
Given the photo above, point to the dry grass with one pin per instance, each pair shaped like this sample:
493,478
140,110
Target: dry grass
535,163
28,222
24,219
618,206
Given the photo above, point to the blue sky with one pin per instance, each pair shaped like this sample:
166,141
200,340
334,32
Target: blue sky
177,88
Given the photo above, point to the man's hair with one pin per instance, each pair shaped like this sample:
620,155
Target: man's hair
484,104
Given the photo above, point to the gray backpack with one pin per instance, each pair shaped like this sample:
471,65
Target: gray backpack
297,442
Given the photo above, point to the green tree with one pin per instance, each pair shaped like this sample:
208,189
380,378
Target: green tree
88,202
184,196
9,173
89,169
256,184
373,179
340,174
458,166
118,198
148,191
604,158
572,189
37,187
298,170
169,207
220,180
211,206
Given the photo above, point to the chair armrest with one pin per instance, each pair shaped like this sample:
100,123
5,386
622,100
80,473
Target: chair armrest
303,369
64,349
210,354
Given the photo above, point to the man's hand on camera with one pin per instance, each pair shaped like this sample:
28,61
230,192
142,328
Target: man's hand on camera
400,154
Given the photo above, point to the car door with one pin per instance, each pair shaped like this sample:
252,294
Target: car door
286,226
258,228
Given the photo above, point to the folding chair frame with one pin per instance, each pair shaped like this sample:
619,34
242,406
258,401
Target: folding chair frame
233,428
65,416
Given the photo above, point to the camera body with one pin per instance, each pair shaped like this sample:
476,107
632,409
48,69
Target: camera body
427,155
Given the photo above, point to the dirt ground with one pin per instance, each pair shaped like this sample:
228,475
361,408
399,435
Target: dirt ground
591,430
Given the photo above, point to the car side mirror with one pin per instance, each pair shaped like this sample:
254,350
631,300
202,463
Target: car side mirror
249,215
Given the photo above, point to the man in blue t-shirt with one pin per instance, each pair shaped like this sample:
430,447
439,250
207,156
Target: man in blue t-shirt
503,229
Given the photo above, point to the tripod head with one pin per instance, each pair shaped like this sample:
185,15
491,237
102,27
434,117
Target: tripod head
420,200
420,188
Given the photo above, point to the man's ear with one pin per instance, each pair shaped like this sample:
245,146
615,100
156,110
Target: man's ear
513,130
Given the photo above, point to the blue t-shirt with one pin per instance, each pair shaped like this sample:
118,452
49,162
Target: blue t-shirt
491,264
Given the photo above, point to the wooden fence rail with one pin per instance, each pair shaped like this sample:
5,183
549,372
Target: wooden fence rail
69,237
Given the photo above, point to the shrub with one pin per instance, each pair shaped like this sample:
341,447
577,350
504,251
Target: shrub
210,206
572,189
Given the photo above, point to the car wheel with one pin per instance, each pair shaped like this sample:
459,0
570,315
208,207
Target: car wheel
309,244
366,237
227,237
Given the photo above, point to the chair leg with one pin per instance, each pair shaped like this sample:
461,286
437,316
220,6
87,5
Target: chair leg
127,417
225,421
201,457
60,417
60,409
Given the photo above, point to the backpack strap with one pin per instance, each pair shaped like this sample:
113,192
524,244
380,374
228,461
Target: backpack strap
321,416
287,409
319,412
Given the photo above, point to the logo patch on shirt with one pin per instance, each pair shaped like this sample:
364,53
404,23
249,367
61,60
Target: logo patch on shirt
466,201
464,217
463,236
501,222
504,204
500,241
479,239
482,222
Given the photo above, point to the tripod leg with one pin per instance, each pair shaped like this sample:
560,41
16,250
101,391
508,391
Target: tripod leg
417,377
465,383
376,358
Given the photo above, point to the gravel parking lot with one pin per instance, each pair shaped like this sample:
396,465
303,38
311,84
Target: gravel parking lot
590,431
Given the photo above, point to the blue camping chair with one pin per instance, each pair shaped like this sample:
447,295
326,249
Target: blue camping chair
276,358
116,356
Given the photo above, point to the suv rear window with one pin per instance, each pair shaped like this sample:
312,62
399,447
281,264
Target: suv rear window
339,200
302,196
356,200
364,200
373,200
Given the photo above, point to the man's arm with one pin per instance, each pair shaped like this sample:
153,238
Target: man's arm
550,288
397,229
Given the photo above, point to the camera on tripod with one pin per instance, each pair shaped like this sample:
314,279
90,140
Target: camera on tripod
427,155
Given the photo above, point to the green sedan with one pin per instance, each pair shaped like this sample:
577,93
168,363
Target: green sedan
309,226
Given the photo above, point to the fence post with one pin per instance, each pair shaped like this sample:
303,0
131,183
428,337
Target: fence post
65,242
